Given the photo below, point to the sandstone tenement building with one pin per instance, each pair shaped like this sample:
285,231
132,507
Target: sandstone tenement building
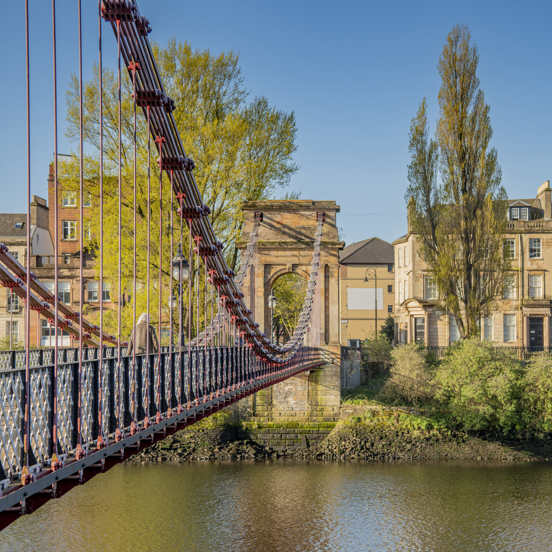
523,315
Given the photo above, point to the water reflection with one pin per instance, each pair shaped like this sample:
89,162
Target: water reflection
298,507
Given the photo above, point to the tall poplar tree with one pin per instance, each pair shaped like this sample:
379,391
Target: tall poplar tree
456,203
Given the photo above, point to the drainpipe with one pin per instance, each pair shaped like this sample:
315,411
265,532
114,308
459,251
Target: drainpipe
520,290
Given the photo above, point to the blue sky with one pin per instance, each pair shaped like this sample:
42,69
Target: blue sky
353,72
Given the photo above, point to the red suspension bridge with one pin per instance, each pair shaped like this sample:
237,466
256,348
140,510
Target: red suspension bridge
67,415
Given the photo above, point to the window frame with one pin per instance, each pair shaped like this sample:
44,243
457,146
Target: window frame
69,235
390,309
533,287
512,287
488,322
512,211
511,248
427,286
69,199
12,302
11,325
524,211
533,249
512,327
389,288
92,287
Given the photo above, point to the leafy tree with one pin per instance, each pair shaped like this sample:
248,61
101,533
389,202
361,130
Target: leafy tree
460,218
387,331
290,291
243,151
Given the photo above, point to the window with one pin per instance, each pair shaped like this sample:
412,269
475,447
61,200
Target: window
535,286
87,230
390,268
13,302
66,259
15,255
87,200
514,213
400,292
454,332
69,199
48,335
18,225
106,296
399,257
419,330
509,328
406,255
14,329
92,291
524,213
534,248
488,328
430,288
405,290
69,229
390,289
64,290
509,248
389,308
510,286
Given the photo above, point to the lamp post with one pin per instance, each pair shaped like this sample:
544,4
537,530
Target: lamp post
272,306
373,273
180,273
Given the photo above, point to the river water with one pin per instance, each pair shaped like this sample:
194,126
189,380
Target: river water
292,506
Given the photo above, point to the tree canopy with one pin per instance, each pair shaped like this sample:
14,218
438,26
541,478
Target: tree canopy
243,151
455,200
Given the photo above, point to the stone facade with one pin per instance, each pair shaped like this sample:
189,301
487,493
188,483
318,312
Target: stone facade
522,317
285,245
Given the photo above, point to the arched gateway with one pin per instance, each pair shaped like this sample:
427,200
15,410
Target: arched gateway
285,241
285,244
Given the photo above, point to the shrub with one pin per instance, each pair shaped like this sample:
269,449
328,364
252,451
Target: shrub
378,351
537,396
481,385
410,375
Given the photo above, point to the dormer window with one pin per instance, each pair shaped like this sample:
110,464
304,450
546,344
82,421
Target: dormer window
524,213
514,213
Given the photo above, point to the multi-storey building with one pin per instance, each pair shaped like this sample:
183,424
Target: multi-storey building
13,233
522,316
366,293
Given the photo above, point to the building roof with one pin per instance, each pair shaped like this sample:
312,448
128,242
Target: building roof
370,251
8,225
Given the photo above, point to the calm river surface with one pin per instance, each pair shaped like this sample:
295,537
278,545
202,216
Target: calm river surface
288,506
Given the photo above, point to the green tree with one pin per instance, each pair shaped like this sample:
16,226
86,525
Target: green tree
243,152
455,201
290,291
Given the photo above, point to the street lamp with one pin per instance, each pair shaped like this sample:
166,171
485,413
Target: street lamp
272,306
373,273
180,273
180,263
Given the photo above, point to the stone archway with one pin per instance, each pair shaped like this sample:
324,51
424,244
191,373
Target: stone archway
285,244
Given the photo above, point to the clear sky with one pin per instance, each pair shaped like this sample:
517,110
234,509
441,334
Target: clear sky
353,72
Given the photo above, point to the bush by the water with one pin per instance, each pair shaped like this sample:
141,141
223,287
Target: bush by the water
478,385
411,375
481,385
537,396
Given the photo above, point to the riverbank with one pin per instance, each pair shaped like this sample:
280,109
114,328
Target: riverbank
368,434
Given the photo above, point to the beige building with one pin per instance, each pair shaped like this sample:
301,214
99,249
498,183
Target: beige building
366,289
522,318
